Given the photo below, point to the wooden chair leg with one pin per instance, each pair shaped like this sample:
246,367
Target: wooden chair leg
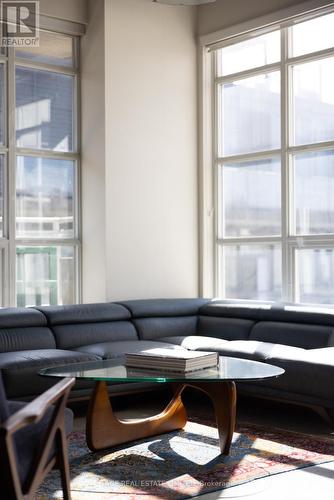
64,465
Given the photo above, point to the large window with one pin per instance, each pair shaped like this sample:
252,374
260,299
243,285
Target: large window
39,173
274,163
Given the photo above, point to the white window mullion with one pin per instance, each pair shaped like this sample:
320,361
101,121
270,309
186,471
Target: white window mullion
314,56
11,183
285,177
258,155
207,243
216,138
253,240
46,153
220,278
4,275
318,146
249,73
294,273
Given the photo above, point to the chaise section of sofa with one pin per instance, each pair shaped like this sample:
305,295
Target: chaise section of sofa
296,338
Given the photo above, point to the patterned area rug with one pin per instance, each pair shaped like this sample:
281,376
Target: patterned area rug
184,463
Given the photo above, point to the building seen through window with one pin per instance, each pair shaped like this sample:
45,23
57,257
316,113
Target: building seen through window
41,160
275,220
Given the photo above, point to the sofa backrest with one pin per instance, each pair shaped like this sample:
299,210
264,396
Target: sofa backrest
294,334
83,324
67,327
286,324
227,320
224,328
24,329
299,326
158,318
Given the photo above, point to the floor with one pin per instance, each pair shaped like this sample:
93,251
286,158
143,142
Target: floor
311,483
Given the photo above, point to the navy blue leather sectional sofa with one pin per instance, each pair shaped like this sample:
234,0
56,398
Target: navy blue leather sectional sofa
296,338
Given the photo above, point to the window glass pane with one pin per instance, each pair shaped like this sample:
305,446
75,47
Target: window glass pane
314,188
315,275
252,53
2,103
313,101
251,198
44,198
250,115
44,110
2,184
252,271
53,49
45,275
310,36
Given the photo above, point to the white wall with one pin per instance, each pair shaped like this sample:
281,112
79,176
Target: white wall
139,144
225,13
93,157
151,142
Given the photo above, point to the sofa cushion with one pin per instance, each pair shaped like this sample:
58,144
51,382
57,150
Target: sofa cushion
293,334
75,335
325,354
22,328
109,350
255,350
295,313
21,338
224,328
246,349
20,369
267,311
11,317
163,307
155,328
84,313
308,372
196,342
234,309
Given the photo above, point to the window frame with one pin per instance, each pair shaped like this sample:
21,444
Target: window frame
9,241
211,274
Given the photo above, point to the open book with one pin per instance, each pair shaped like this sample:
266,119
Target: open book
175,360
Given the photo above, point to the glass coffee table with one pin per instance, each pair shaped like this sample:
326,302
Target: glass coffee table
104,429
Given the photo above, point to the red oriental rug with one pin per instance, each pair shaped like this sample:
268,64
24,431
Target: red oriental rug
184,463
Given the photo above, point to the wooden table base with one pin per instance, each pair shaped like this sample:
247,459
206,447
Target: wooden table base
105,430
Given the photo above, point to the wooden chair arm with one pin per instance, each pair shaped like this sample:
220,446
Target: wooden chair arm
35,410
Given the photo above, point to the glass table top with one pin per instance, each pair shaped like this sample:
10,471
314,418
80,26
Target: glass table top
115,371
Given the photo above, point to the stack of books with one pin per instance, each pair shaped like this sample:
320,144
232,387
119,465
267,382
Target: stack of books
173,360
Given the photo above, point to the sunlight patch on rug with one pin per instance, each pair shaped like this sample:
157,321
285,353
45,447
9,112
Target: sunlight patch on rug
184,463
